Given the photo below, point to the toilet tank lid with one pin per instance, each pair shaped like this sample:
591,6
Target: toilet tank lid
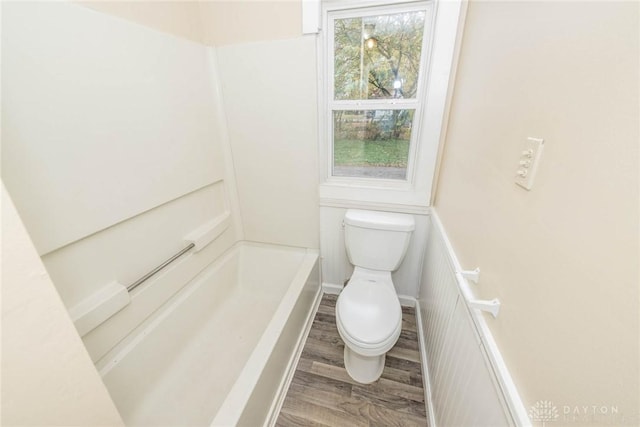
379,220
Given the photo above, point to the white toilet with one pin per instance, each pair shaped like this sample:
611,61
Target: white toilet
368,312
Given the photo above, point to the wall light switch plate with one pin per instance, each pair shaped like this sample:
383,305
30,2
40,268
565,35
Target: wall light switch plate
528,162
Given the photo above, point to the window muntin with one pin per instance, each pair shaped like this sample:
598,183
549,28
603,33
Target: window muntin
374,91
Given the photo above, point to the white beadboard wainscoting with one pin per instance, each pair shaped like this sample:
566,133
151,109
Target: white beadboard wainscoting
467,382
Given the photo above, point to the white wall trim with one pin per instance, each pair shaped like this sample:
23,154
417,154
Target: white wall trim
278,401
407,301
504,381
331,288
375,206
428,402
310,16
233,197
449,99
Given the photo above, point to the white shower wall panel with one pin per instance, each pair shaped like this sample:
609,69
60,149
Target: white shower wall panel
115,148
102,119
270,99
128,250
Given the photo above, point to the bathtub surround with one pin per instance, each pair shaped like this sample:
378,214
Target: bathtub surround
151,174
117,242
270,102
120,241
268,79
95,259
68,118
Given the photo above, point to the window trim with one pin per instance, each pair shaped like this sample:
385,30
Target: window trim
441,32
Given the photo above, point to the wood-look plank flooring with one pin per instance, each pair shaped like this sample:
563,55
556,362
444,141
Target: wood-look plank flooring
323,394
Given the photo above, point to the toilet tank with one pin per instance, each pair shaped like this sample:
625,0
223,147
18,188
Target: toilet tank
377,240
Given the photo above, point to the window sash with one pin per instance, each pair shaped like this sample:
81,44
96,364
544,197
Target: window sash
411,160
375,11
377,104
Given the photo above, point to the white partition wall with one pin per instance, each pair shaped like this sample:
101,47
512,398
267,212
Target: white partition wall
47,377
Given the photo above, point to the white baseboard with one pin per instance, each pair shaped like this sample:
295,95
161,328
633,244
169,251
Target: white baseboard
425,368
278,401
407,301
331,288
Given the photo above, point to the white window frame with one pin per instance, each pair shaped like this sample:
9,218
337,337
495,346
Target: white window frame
441,30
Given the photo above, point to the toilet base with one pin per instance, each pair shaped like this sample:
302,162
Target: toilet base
363,369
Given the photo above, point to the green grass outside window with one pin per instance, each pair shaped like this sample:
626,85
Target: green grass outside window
379,153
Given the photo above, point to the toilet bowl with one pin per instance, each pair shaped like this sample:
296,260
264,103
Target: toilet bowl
369,320
368,312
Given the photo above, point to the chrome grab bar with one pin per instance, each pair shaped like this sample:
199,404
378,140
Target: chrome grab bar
160,267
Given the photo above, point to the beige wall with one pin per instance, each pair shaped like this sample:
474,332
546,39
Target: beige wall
180,18
233,21
563,258
47,376
213,22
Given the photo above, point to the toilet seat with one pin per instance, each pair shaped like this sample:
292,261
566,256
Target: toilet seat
369,316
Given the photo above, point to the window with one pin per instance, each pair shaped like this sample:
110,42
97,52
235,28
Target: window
376,79
386,78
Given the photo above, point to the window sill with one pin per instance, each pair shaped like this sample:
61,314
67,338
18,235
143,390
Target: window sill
358,196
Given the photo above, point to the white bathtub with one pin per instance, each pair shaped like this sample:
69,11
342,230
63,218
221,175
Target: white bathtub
217,352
